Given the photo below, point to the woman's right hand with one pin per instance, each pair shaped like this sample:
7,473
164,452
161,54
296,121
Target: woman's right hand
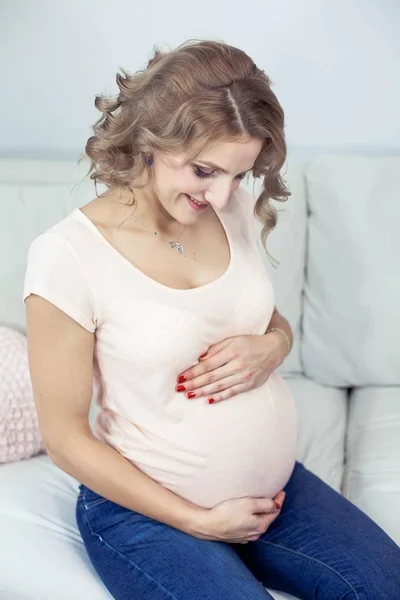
240,520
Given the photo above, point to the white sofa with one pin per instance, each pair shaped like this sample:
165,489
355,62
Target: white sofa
338,284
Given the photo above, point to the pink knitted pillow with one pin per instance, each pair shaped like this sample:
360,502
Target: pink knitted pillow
19,430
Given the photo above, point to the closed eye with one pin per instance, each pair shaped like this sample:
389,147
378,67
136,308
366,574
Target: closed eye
200,173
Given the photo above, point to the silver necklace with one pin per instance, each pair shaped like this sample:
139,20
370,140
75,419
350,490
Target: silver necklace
175,245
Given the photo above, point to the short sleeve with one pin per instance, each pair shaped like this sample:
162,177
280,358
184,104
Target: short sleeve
55,273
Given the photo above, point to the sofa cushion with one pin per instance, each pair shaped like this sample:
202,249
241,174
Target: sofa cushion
351,324
34,194
287,244
322,424
371,479
37,521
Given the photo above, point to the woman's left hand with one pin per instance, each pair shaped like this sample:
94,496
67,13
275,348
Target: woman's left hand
233,366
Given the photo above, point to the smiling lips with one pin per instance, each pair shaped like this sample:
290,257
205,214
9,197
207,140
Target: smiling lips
196,205
197,201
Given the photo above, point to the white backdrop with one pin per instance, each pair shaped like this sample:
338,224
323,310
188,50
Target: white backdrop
335,65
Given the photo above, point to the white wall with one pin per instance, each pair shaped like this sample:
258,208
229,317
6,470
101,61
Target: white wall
335,64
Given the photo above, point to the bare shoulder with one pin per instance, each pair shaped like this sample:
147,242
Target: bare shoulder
107,212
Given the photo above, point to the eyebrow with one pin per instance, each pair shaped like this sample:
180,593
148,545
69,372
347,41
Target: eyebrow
214,166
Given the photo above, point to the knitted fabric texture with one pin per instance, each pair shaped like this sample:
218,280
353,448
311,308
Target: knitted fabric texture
19,430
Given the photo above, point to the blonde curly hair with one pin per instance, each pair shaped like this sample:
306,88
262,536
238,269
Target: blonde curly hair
185,101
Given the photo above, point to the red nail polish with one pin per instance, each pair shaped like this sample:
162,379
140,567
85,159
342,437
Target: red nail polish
202,355
181,379
190,394
180,388
211,401
277,505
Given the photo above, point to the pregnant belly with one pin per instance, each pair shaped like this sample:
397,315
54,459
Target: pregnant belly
243,446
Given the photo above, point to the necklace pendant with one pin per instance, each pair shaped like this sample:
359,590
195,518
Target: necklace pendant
177,246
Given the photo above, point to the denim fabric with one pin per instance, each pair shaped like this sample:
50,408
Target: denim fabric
321,547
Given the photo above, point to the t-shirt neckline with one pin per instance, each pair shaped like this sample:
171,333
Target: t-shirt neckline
89,223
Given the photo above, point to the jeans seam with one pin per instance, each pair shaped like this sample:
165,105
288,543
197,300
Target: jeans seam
130,562
93,503
315,560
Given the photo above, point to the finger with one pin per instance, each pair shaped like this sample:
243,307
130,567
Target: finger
215,348
269,519
263,505
252,538
217,388
207,365
228,393
280,498
208,379
265,521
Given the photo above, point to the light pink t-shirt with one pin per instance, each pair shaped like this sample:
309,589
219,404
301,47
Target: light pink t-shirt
147,333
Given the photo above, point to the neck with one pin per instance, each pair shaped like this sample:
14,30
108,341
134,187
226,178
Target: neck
152,214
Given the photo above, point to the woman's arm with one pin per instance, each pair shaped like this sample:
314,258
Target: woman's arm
61,364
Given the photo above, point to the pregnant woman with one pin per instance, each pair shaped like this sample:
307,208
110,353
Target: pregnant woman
190,488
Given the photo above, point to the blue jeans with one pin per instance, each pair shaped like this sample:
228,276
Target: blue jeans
321,547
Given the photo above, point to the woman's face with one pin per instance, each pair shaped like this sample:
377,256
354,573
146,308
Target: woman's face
209,185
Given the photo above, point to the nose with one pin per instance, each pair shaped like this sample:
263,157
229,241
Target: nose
218,194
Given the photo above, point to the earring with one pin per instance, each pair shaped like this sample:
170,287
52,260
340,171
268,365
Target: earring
149,160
